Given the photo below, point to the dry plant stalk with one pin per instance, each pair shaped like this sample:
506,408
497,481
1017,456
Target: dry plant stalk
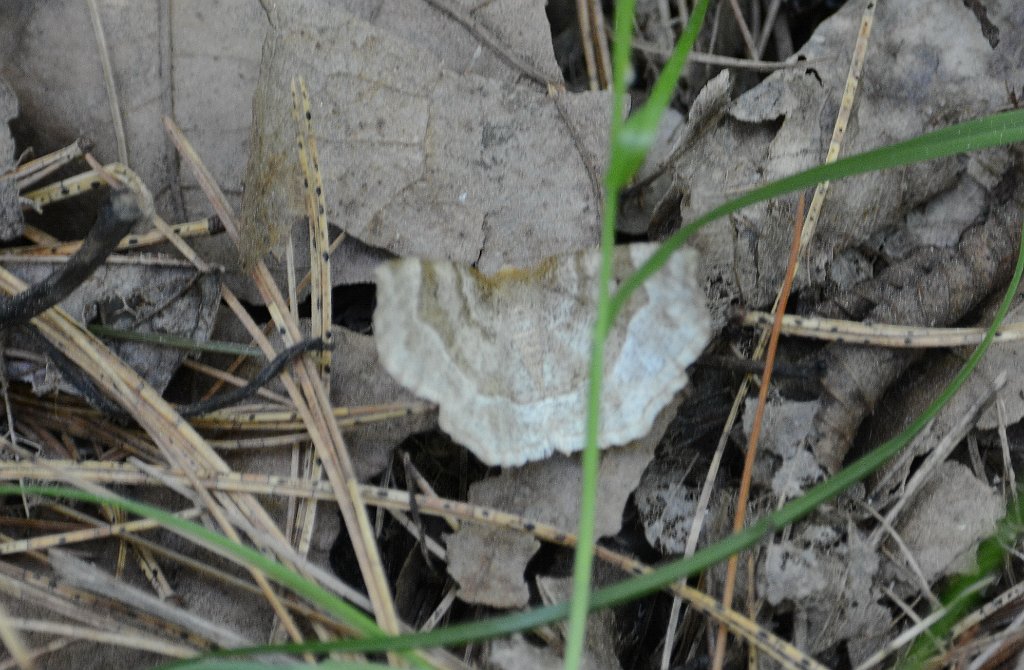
177,440
743,495
881,334
392,499
312,403
320,293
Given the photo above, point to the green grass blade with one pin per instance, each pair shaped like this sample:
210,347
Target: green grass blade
636,587
632,139
984,133
629,144
991,131
326,600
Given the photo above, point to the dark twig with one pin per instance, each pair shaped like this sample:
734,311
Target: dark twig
116,219
88,389
271,370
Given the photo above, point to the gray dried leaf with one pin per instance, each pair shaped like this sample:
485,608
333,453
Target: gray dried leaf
666,506
197,62
666,496
602,628
516,653
786,426
418,158
520,26
917,389
947,518
636,212
932,287
357,378
829,585
165,299
1009,358
489,562
947,72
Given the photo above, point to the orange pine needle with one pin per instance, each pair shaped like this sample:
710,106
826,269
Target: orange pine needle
755,432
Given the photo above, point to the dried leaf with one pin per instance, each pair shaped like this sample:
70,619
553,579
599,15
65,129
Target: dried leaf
636,212
488,563
169,300
489,577
507,357
787,424
666,506
951,513
519,26
195,61
357,378
518,654
933,287
602,629
198,62
906,399
829,584
947,72
417,158
666,496
1009,358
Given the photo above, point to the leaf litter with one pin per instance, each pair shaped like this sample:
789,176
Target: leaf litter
420,159
547,491
437,144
